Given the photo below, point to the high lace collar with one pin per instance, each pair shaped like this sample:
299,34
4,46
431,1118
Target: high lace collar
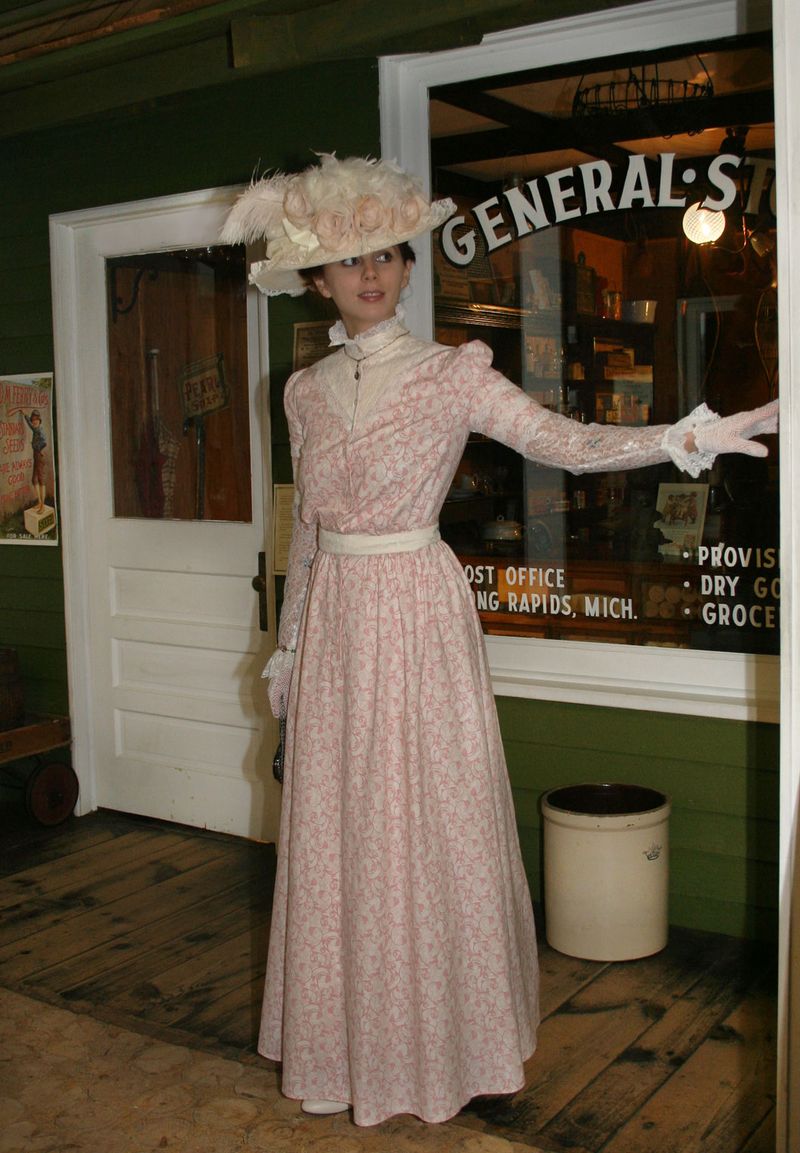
364,344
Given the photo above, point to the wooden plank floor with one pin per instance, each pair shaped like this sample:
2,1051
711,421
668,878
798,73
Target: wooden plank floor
162,929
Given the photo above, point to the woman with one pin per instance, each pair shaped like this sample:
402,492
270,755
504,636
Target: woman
402,972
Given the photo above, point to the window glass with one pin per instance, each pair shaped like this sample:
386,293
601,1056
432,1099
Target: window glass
573,256
178,385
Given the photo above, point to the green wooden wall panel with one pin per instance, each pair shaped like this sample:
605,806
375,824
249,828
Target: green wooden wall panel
44,664
32,628
23,282
727,917
46,699
45,696
34,594
706,740
26,318
43,672
747,839
746,791
711,876
26,354
24,245
42,562
199,140
527,805
530,843
32,271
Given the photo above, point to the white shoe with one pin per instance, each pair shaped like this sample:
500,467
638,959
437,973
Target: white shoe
321,1108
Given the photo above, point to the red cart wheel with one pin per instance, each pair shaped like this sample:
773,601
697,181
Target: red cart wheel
51,793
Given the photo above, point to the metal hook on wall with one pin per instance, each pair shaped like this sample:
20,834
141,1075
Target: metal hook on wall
117,307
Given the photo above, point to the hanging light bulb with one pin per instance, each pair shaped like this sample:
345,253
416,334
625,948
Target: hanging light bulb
703,225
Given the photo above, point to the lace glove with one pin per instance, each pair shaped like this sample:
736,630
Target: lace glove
279,671
732,433
714,434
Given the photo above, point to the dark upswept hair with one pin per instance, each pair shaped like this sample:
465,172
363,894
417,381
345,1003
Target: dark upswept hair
307,275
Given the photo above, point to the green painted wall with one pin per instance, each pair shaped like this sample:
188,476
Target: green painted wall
721,775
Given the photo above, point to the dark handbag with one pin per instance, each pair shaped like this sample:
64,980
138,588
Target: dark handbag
277,760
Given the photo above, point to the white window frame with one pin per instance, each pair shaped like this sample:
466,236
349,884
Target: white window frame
736,686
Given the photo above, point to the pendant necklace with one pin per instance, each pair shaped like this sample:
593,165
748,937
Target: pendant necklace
359,360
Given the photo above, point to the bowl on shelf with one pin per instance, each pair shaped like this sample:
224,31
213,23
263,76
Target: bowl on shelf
639,311
501,535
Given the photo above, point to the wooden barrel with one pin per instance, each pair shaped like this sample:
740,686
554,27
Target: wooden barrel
12,703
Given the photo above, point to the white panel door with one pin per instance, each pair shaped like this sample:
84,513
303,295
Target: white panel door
163,419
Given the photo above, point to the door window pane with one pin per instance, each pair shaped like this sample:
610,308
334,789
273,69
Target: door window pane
178,384
572,261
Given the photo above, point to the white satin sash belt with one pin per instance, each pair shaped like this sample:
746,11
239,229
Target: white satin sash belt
366,544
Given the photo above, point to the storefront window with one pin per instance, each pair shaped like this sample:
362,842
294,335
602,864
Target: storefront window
573,258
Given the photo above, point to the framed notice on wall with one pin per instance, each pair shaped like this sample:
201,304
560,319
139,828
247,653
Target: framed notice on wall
311,342
27,460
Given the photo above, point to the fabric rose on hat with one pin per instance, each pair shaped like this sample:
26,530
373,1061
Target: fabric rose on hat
407,213
369,215
333,226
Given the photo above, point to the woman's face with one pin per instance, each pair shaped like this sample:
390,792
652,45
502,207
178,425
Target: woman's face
365,289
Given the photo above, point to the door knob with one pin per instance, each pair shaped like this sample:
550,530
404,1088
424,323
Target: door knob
259,583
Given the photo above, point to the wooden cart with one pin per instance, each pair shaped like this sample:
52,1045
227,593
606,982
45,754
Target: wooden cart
51,789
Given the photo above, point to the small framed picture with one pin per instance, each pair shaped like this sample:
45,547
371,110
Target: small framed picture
682,517
28,469
311,343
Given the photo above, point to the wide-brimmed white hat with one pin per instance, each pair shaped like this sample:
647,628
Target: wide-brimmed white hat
332,210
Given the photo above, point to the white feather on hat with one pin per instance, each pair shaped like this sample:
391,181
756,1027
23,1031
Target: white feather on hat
332,210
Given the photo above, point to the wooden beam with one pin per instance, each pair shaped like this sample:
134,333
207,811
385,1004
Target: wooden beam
588,133
64,30
531,123
372,27
114,87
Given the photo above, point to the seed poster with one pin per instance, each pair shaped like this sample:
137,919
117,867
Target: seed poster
27,460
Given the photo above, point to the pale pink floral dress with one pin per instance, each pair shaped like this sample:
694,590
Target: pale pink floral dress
402,973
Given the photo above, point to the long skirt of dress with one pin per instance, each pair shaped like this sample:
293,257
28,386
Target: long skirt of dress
402,972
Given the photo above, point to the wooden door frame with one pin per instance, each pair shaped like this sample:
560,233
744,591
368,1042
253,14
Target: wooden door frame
75,428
